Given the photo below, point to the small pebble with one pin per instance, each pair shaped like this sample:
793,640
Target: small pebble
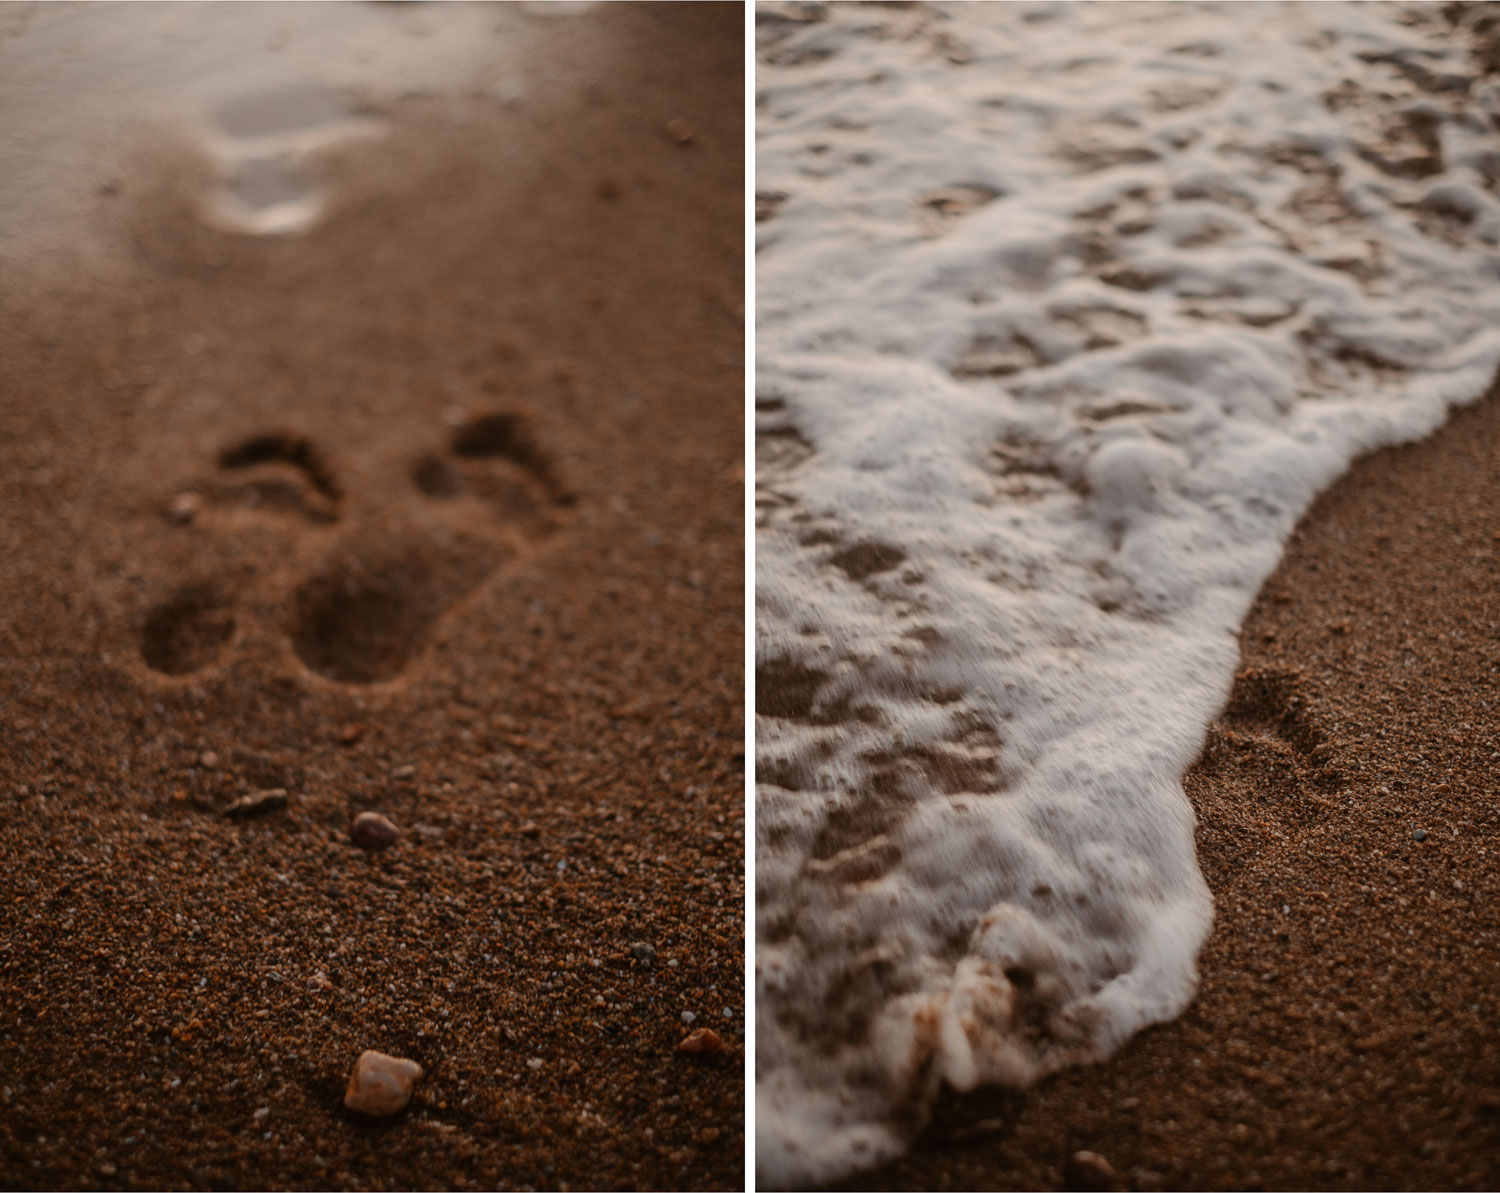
1419,835
688,1017
642,951
705,1039
1089,1171
257,802
371,830
184,507
319,981
208,759
381,1084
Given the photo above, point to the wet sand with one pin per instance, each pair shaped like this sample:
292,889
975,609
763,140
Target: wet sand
436,511
1344,1033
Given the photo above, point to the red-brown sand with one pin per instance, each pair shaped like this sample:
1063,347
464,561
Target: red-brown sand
1345,1033
462,544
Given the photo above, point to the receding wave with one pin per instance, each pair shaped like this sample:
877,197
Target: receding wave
1065,314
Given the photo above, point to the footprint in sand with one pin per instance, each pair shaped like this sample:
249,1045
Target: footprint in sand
265,143
379,574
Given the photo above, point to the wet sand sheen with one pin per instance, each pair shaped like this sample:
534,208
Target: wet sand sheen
1343,1035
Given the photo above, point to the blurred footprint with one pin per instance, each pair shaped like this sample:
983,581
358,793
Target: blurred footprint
264,141
491,495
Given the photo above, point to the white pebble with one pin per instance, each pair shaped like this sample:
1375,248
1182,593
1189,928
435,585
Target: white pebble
381,1084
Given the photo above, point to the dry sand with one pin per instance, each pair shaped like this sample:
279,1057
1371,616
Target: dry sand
1344,1036
466,548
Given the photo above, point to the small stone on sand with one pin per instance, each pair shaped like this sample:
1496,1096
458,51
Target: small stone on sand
381,1084
257,802
371,830
642,951
705,1039
1419,835
184,507
1089,1171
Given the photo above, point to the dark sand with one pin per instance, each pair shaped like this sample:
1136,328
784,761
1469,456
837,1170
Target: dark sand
1344,1036
474,559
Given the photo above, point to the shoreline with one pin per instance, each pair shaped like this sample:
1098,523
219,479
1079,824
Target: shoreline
1340,1037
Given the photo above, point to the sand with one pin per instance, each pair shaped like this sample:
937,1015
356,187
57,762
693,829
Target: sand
462,543
1344,1033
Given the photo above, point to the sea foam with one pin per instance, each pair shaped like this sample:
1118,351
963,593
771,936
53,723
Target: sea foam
1065,313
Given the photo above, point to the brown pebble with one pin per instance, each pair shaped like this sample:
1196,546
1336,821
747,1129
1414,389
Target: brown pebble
371,830
208,760
257,802
1089,1171
184,507
381,1084
705,1039
351,733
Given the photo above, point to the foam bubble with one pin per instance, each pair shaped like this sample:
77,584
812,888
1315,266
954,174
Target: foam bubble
1065,314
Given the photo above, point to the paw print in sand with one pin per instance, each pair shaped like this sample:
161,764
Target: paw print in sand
287,563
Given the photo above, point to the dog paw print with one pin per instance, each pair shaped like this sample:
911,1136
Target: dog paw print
351,588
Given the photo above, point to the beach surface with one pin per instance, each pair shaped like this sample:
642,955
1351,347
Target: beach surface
1067,316
431,506
1343,1036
